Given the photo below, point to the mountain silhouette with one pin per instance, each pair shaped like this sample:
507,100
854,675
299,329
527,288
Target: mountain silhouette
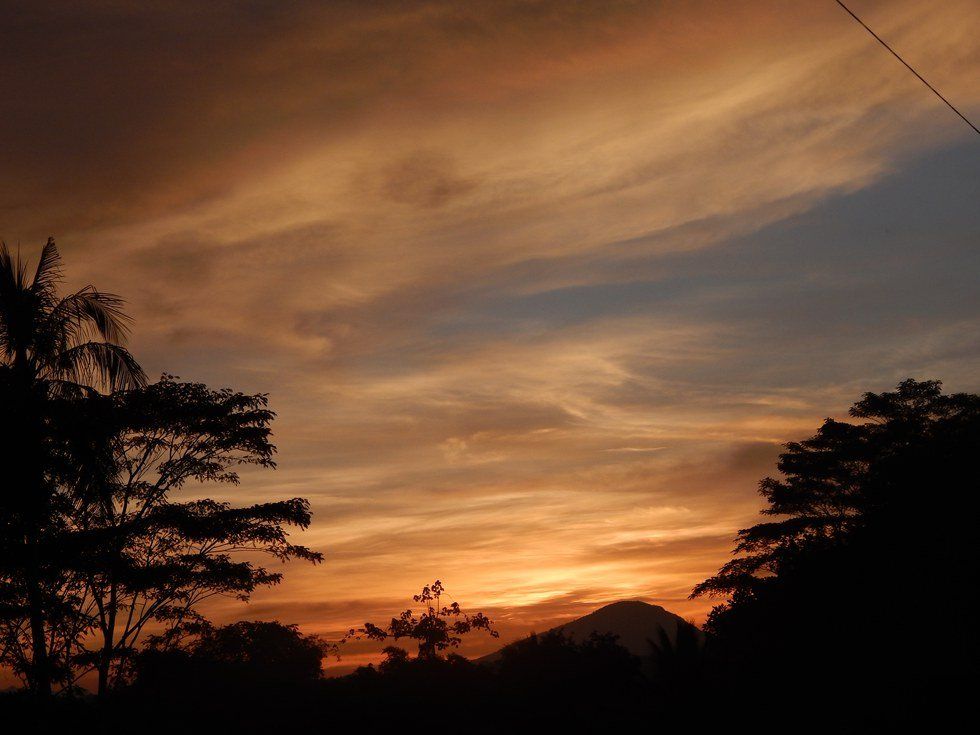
634,622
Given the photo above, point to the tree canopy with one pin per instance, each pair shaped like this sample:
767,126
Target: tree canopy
256,652
437,628
95,546
871,518
848,476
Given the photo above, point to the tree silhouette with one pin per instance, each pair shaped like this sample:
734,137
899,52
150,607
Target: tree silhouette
242,653
677,665
52,344
140,557
844,477
50,347
555,680
556,660
436,629
93,547
873,523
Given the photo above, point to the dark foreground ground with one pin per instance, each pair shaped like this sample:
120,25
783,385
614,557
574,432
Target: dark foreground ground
460,697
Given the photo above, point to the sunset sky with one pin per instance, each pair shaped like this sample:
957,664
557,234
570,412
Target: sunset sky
537,288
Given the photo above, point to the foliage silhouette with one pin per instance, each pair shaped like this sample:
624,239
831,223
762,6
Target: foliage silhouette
597,666
436,629
869,515
143,558
51,347
128,554
825,626
677,667
93,546
247,653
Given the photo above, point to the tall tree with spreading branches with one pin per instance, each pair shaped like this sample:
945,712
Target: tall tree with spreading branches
870,531
146,560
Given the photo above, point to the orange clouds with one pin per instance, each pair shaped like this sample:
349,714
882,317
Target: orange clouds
537,288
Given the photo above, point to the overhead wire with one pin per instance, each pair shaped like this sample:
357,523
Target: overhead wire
908,66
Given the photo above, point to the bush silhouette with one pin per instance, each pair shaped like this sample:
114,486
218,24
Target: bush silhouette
256,652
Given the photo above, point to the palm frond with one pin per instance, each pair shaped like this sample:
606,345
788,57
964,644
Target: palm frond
12,268
58,388
91,313
72,342
6,296
48,274
99,364
7,269
16,307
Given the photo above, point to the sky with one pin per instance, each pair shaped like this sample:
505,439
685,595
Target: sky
536,288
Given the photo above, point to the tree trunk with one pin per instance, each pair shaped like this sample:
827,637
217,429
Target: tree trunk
105,661
41,674
105,658
33,513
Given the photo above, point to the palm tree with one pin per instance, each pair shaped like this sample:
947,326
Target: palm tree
62,346
50,348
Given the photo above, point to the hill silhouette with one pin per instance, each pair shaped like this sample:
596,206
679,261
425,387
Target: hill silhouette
633,622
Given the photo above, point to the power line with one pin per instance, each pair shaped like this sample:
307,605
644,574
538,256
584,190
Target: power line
921,79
